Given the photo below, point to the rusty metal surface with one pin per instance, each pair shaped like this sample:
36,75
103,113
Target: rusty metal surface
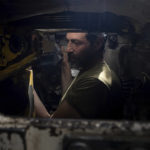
14,10
38,134
103,127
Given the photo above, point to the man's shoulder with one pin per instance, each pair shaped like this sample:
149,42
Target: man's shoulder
108,76
100,72
88,81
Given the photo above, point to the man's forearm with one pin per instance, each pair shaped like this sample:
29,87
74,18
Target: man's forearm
40,109
66,77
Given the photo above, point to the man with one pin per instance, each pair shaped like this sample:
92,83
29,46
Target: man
94,93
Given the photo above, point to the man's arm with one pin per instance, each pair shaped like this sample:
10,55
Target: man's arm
66,77
65,110
40,109
87,99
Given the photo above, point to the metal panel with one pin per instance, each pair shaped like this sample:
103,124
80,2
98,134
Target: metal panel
14,10
59,134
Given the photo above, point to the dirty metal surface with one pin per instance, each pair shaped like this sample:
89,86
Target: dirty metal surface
59,134
14,10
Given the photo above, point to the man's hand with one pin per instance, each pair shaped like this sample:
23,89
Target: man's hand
66,77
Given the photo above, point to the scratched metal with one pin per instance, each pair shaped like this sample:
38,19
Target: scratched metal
57,134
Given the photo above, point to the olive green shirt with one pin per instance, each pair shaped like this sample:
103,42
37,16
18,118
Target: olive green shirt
94,93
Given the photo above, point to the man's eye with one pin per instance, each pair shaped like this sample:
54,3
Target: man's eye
77,42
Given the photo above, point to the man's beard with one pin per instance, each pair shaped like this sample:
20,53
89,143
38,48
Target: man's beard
81,60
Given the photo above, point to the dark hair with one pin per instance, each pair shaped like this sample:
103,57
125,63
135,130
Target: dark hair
93,37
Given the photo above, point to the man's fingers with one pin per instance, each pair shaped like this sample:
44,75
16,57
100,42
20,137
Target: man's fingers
65,54
62,49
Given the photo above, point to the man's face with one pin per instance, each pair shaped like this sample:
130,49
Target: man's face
78,48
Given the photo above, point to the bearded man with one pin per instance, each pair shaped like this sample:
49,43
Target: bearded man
95,91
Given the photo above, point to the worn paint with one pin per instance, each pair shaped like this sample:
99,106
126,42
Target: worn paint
59,134
11,141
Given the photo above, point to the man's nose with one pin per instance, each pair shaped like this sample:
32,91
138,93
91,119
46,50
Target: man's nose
69,47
